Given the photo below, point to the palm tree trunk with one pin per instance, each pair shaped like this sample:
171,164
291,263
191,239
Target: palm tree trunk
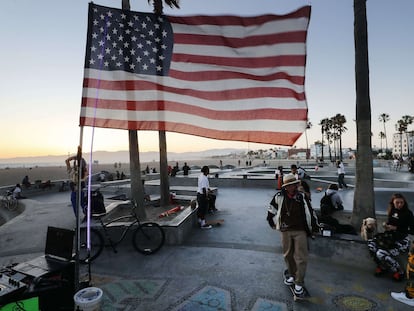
137,187
364,203
164,178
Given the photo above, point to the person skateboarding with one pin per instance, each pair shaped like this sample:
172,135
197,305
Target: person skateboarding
292,214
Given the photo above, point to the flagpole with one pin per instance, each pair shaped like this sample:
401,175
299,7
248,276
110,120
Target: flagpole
78,209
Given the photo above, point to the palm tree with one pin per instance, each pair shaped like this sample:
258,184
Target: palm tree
164,179
338,122
364,202
323,125
381,136
384,117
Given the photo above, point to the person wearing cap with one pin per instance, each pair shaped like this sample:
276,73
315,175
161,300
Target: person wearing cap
292,214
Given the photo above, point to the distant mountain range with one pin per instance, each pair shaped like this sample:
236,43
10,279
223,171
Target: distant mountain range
108,157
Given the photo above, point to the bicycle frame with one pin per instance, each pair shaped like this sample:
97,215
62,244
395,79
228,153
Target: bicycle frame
126,226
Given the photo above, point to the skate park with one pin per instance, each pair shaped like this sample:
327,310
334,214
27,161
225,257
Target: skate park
237,266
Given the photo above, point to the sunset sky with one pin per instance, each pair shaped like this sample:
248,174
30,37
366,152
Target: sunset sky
44,48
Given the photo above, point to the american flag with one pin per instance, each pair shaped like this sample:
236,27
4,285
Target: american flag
223,77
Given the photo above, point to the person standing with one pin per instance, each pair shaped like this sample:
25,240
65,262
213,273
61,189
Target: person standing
186,169
341,175
202,197
299,172
385,247
292,214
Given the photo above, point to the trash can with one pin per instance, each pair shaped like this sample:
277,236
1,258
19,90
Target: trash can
88,299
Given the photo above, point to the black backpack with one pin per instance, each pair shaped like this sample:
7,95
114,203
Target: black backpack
326,205
97,202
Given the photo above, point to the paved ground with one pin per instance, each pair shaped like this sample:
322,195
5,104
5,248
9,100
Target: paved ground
237,266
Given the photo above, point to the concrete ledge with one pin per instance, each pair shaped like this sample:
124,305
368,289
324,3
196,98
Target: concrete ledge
345,249
178,228
349,250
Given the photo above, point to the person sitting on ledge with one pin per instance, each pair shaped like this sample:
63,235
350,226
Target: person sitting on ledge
386,246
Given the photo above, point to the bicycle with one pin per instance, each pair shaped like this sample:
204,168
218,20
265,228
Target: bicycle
9,201
147,238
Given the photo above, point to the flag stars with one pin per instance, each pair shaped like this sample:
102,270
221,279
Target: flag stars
130,42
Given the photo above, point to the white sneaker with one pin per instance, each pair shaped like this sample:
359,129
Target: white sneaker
402,297
206,227
298,290
289,281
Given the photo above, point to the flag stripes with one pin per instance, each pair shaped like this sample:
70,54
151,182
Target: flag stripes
231,78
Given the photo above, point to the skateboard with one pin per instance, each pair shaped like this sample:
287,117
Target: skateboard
215,222
295,298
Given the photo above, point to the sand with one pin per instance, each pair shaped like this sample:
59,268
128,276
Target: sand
12,176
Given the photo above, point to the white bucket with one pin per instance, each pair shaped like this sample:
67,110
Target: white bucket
88,299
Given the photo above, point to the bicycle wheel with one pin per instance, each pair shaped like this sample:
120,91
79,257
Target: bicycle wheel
97,245
148,238
13,204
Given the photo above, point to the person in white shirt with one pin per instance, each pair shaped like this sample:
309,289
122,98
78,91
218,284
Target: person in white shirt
17,192
341,175
202,197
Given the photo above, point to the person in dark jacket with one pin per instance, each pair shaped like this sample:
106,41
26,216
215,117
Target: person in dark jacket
291,213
